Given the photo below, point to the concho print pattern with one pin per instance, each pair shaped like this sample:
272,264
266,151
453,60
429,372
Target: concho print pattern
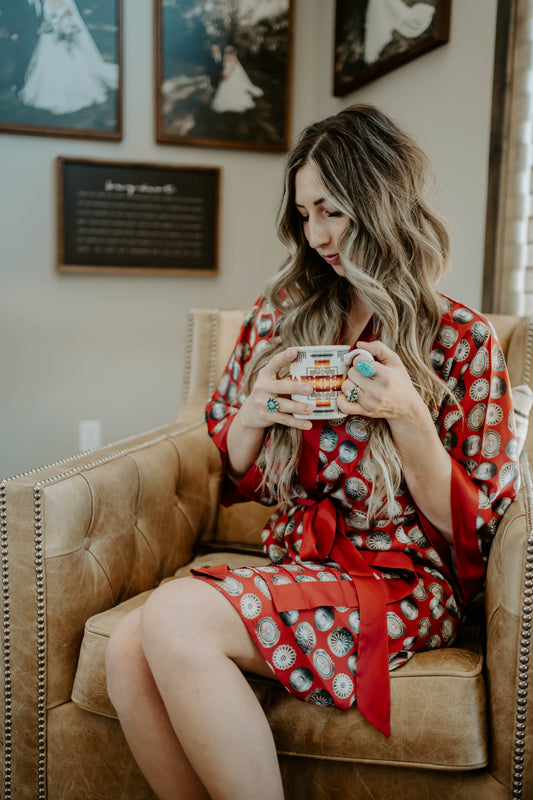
313,651
313,647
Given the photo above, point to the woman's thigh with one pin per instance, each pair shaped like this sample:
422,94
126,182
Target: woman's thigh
189,616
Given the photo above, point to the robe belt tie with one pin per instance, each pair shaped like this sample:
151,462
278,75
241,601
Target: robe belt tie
324,536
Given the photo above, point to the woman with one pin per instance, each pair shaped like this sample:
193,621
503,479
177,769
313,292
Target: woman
235,92
383,519
66,72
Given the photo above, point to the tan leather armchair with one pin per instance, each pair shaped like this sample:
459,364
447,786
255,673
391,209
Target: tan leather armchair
86,539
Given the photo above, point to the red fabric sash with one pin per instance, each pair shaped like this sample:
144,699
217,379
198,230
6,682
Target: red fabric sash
324,536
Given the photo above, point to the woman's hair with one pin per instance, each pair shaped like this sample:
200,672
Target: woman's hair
393,253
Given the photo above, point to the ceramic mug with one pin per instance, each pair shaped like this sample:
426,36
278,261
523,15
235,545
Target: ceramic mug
325,368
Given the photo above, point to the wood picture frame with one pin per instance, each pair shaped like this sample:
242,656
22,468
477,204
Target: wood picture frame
61,68
507,15
376,36
223,73
118,217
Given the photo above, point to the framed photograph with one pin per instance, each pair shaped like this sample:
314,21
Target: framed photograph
125,217
373,37
61,68
223,70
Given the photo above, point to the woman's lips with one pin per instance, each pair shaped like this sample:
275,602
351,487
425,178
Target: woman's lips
333,259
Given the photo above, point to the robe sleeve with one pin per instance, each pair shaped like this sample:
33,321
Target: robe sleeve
258,327
478,431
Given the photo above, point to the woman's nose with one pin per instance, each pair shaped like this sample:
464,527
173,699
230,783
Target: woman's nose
317,233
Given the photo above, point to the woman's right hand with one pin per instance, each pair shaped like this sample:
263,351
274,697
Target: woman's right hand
247,431
270,401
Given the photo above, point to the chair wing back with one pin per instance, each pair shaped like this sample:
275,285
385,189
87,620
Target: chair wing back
516,337
211,335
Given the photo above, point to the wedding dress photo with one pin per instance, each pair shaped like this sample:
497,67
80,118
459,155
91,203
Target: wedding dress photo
66,71
383,17
235,91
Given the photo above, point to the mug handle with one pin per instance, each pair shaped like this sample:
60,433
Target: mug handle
357,351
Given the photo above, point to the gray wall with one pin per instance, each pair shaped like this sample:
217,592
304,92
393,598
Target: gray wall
111,348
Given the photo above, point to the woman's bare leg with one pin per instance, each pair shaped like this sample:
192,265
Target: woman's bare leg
182,699
143,716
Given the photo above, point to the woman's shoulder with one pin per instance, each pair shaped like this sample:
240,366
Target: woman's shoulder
261,313
459,320
261,321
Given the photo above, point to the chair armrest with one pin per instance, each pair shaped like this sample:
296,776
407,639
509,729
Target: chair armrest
81,535
509,594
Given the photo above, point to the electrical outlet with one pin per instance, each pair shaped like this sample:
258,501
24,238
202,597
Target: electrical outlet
89,434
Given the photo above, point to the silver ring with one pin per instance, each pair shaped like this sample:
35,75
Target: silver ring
353,394
272,404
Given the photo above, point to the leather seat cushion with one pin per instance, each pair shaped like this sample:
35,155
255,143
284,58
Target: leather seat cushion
438,706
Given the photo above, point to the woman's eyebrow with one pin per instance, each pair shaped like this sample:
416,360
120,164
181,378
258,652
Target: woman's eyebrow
315,203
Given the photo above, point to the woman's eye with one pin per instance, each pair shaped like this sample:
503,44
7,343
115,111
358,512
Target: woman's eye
334,213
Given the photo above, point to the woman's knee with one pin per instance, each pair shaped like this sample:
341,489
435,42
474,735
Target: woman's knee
172,612
185,617
190,622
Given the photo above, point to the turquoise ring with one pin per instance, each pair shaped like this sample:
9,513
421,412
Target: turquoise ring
272,405
366,368
352,395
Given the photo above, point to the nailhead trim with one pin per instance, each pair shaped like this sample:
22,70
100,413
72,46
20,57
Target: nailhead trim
189,342
529,350
527,609
41,639
525,638
39,561
212,354
41,595
189,339
6,639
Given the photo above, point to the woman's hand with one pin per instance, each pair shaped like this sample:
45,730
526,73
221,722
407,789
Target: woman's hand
389,394
270,399
246,433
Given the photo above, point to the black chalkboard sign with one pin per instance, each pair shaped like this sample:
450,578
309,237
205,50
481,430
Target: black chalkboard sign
127,217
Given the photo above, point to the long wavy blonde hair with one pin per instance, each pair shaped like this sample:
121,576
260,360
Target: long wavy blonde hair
393,253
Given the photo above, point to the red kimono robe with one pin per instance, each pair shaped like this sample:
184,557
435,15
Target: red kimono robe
343,602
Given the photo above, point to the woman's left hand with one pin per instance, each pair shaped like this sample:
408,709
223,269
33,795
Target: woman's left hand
389,394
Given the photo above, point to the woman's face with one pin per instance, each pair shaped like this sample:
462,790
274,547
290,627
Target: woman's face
323,224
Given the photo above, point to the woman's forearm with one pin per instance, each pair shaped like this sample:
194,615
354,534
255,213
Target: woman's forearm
243,446
388,393
427,467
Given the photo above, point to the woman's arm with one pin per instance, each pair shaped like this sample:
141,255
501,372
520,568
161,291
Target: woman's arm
427,467
390,395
